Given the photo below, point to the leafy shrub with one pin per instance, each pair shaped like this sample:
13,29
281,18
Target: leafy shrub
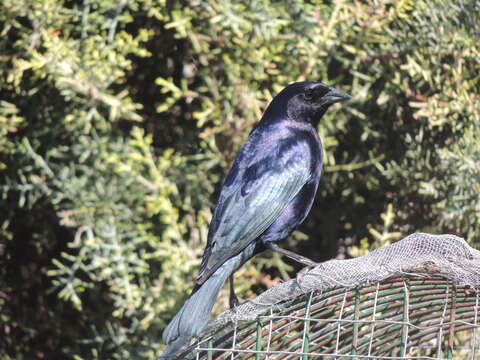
118,121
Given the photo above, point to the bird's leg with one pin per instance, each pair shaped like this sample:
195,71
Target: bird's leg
298,258
233,297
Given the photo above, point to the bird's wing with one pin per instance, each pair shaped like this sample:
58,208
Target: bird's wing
246,211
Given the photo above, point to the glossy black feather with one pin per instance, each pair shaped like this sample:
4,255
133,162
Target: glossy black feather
267,193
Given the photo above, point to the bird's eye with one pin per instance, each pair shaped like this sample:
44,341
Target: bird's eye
323,91
308,95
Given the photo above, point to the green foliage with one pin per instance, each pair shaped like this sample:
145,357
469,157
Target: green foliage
118,121
380,238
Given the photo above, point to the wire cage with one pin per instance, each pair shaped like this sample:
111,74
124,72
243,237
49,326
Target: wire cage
419,316
416,299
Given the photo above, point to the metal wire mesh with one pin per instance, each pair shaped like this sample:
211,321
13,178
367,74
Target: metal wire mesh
408,317
423,313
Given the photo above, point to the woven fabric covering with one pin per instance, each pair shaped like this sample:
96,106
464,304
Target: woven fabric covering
415,299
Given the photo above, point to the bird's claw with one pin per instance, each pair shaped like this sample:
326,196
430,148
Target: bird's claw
303,273
309,264
234,302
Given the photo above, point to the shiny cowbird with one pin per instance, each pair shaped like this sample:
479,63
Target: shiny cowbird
267,193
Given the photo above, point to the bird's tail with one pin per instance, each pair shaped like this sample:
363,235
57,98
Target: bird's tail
193,316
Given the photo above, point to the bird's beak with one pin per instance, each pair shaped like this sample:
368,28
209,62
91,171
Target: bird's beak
334,96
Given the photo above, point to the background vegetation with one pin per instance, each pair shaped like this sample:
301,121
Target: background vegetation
119,119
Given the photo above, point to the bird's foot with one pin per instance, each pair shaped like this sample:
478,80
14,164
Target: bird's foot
234,302
294,256
304,272
310,264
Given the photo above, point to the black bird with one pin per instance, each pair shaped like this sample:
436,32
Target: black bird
267,194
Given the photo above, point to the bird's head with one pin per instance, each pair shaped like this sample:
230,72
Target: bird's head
305,101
